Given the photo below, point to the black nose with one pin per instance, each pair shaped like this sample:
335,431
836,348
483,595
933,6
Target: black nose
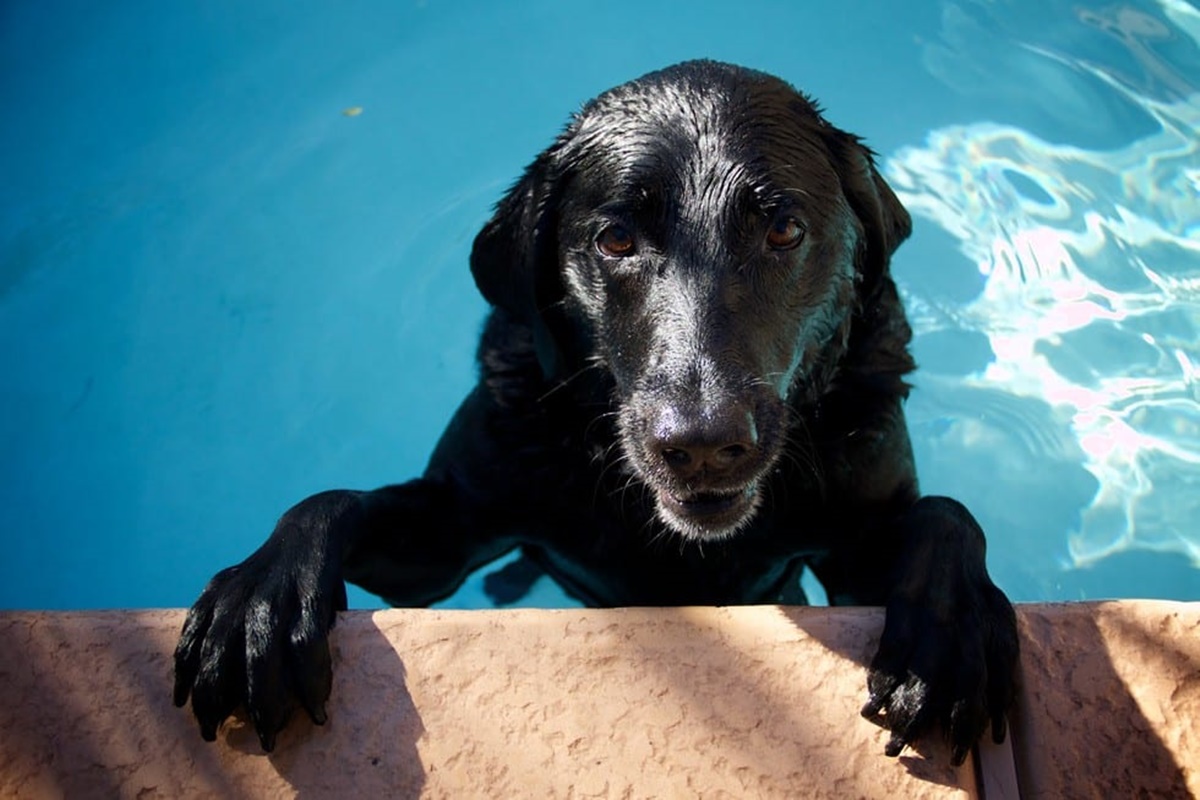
713,443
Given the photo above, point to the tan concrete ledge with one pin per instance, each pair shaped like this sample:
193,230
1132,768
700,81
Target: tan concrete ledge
731,702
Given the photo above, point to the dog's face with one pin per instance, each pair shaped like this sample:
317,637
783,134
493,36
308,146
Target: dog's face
706,236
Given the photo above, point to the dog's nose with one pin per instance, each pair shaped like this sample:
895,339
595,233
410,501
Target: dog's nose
712,443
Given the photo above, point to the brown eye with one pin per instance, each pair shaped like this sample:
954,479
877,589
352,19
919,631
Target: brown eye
785,233
615,241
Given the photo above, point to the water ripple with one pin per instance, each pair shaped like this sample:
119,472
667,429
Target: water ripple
1091,294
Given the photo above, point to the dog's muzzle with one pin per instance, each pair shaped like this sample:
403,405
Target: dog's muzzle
704,464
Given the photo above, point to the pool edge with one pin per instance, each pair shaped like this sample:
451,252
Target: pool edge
752,701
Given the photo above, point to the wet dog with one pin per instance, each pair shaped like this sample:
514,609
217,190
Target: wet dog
691,388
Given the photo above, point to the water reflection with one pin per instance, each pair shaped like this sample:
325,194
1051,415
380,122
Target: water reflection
1090,260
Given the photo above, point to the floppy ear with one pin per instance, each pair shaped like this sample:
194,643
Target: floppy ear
515,256
882,343
885,222
506,256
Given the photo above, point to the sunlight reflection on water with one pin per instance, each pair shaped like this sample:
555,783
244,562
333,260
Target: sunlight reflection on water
1091,295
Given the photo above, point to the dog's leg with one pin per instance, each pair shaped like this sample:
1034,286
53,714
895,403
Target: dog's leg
949,647
258,635
419,541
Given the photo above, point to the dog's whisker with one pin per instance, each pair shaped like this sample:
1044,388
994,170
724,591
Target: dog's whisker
563,382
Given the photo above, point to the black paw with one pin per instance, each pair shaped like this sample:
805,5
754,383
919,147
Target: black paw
952,670
258,637
948,655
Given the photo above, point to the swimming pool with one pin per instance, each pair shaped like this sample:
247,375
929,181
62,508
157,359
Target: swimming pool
226,226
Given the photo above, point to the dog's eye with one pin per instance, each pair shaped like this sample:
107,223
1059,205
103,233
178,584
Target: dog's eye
615,241
785,233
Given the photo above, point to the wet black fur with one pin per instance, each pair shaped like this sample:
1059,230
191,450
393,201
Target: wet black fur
693,420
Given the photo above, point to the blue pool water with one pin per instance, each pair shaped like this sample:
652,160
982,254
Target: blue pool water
234,236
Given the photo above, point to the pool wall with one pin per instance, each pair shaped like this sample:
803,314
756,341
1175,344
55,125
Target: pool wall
683,702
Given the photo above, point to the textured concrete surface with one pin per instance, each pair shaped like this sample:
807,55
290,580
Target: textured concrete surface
745,702
1110,701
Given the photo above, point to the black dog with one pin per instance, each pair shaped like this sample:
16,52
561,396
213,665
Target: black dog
691,388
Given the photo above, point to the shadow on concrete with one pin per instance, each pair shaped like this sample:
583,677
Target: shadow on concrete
1079,730
372,731
62,678
772,700
87,706
856,643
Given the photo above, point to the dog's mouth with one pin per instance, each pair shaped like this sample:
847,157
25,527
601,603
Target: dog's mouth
708,515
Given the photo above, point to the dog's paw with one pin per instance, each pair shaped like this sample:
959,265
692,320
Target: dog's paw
258,638
950,667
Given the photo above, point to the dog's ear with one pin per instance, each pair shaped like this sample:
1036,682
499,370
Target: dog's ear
515,256
509,251
885,221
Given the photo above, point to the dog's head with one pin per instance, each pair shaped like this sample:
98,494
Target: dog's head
707,238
